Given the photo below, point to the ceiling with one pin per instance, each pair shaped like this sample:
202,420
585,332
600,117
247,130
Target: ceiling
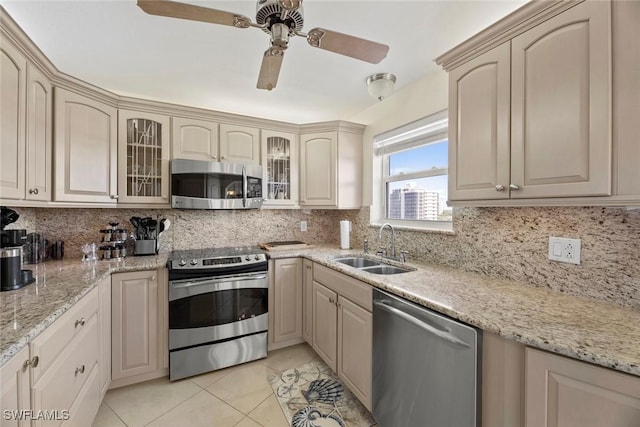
116,46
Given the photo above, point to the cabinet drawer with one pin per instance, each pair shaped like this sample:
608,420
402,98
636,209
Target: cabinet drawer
61,384
48,345
86,404
353,289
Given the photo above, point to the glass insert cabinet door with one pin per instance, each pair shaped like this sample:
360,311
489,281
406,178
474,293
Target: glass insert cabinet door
143,165
280,163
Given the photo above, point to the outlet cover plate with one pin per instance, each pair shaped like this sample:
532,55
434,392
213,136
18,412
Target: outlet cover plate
566,250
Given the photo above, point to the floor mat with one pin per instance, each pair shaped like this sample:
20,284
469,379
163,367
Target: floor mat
313,396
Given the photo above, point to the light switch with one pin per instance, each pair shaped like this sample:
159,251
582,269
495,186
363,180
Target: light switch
557,249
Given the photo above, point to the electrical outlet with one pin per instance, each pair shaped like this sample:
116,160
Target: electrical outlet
303,225
564,250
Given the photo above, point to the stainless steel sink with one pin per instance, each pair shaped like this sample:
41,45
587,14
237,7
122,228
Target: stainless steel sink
385,269
371,266
357,262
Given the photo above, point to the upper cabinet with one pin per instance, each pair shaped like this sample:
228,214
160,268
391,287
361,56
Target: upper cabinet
194,139
531,116
143,157
85,149
25,123
331,168
280,165
239,144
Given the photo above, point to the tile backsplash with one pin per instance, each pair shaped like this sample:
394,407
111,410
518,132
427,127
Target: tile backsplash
509,243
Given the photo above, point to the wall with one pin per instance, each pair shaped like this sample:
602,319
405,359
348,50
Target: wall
190,229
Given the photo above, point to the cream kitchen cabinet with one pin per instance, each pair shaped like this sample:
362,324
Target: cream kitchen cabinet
307,301
194,139
26,126
64,365
104,319
343,328
139,326
331,169
15,388
568,393
239,144
280,164
531,117
85,154
143,157
285,302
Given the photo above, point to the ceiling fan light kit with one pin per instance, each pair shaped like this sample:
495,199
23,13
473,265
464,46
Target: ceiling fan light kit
381,85
281,19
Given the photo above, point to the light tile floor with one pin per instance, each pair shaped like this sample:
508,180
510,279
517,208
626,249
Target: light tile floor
239,396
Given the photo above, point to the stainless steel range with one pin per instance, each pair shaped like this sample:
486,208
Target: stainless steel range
217,309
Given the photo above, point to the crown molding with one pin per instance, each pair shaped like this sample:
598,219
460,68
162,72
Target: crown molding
11,31
517,22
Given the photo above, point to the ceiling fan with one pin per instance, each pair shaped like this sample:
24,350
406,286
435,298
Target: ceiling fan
281,19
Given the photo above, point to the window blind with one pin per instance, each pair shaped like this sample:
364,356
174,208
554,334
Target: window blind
424,131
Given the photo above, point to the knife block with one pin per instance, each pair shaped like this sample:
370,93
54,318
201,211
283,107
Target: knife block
144,247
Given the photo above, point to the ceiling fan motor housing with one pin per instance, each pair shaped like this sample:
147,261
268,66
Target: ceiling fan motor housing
269,12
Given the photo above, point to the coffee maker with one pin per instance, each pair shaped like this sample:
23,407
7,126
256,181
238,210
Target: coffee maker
12,276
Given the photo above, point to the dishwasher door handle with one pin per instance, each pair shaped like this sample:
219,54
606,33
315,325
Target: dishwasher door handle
419,323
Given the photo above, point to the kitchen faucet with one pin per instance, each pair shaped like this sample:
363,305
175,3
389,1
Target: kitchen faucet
393,239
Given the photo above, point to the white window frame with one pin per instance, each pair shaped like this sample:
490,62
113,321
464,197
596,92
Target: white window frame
430,129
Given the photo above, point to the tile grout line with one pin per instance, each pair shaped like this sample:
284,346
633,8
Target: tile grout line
114,411
173,407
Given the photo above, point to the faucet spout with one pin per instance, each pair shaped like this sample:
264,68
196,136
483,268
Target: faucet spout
393,237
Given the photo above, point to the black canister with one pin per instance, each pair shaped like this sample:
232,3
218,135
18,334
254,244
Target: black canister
10,268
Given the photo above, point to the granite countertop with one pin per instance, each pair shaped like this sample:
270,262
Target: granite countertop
598,332
26,312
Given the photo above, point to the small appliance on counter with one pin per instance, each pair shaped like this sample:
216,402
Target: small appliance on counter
146,232
114,242
12,276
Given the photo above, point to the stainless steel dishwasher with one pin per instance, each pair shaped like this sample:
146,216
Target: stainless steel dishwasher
426,367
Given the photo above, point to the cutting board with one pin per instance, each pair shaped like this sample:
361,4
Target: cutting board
285,245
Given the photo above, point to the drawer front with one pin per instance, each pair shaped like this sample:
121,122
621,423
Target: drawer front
48,345
86,404
353,289
60,385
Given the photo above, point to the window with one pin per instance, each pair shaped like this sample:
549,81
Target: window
413,179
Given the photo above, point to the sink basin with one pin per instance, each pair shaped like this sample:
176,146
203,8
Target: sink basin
357,262
385,269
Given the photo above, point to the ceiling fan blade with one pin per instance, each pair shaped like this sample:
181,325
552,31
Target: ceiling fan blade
191,12
344,44
270,69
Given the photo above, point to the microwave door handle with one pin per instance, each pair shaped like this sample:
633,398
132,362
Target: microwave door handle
244,187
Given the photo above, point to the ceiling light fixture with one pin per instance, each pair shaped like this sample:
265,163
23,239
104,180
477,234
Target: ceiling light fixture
381,85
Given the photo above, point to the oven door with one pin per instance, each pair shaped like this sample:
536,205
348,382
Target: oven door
208,310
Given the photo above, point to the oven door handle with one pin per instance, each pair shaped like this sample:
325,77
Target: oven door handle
209,280
245,187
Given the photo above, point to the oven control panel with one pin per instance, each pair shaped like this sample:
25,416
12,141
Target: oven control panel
217,262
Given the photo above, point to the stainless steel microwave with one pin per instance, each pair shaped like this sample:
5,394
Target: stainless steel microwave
197,184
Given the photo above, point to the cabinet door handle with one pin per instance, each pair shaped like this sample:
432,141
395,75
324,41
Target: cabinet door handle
332,301
33,191
79,370
33,362
114,196
153,278
514,187
499,187
80,322
308,267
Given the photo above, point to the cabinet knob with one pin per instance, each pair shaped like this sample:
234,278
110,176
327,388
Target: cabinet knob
308,267
114,196
33,362
499,187
223,157
332,301
153,278
79,370
514,187
33,191
80,322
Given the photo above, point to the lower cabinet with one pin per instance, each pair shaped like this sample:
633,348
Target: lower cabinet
104,319
307,301
15,389
342,328
285,302
139,326
58,374
568,393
